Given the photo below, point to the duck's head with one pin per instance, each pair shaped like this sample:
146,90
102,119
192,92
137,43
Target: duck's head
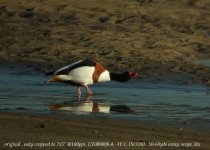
123,77
132,75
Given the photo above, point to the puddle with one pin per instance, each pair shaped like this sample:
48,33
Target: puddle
22,89
86,107
82,107
204,62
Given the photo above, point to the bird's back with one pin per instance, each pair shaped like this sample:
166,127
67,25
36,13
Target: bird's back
81,63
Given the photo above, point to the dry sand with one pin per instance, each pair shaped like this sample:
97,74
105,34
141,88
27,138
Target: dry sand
15,128
148,36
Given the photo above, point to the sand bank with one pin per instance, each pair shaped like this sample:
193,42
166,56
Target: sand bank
58,132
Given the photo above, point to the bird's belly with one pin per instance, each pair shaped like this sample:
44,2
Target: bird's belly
82,75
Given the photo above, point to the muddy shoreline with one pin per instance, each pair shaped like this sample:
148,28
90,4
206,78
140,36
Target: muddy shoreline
45,129
129,35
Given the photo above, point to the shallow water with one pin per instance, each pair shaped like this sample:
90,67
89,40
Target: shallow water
22,89
204,62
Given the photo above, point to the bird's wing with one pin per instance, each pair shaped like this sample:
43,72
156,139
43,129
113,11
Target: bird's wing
66,69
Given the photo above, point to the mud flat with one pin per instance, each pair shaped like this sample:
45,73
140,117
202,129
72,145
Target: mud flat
151,37
58,132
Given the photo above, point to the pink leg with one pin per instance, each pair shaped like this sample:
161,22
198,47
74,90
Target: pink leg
79,93
88,90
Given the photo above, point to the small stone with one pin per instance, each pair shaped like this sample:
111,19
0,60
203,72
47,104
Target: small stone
122,109
95,131
153,129
188,122
27,14
3,9
144,1
179,133
103,18
188,81
29,9
40,126
20,108
208,83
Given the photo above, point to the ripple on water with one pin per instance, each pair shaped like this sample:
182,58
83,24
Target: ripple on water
204,62
148,100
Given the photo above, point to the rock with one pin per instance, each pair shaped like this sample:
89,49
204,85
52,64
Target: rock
3,9
208,33
27,14
175,69
20,108
144,1
41,125
104,18
201,26
188,81
153,129
105,52
179,133
29,9
208,83
69,16
187,122
119,58
192,2
95,131
124,18
183,29
201,48
121,108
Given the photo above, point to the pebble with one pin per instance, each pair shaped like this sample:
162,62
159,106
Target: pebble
28,13
103,18
95,131
208,83
20,108
188,122
40,125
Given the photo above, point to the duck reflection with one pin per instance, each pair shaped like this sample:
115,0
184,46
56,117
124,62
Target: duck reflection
88,98
82,106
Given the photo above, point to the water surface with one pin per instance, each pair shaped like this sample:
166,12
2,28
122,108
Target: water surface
204,62
23,89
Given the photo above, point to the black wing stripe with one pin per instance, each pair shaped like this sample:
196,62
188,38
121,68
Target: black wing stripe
67,69
85,62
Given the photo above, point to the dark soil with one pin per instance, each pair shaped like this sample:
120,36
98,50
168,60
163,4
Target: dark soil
147,36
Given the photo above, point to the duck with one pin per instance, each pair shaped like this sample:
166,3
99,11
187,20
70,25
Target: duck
87,72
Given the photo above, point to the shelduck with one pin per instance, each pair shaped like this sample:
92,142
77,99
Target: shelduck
87,72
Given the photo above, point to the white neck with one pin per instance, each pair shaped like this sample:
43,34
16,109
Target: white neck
104,77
